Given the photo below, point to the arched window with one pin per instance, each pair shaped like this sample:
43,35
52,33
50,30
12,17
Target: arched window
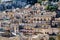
37,19
44,19
41,19
34,19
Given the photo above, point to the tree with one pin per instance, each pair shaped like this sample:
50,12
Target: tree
54,0
51,38
58,37
0,1
52,7
39,1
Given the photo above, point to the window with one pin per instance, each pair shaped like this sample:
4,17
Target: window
41,19
41,13
44,19
34,19
37,19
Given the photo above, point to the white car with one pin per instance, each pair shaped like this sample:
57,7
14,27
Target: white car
14,33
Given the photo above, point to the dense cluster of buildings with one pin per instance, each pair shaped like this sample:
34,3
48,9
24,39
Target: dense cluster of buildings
32,23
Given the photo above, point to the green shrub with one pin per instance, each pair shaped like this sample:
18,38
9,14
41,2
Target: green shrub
52,7
51,38
39,1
